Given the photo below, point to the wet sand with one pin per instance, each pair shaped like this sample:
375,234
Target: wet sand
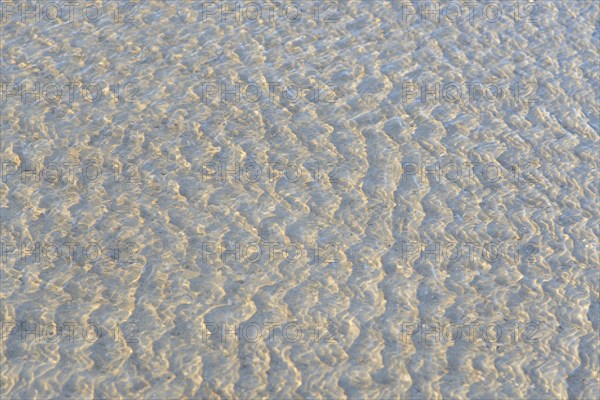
368,200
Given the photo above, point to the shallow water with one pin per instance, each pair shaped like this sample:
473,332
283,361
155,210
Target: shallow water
375,205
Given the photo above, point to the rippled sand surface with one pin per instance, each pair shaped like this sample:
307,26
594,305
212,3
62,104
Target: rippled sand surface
366,301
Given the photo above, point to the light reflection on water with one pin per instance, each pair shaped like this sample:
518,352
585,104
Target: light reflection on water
359,201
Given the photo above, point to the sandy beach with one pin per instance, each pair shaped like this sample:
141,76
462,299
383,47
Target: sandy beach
299,200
